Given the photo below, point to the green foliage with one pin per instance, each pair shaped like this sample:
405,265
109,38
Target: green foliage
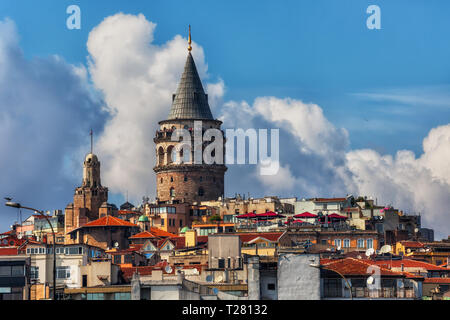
215,217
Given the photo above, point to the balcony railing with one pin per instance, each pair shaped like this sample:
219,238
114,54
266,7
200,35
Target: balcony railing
366,293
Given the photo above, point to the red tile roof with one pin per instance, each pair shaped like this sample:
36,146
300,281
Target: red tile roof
8,251
109,221
271,236
412,244
143,235
133,248
37,216
147,270
409,263
352,266
128,212
437,280
153,233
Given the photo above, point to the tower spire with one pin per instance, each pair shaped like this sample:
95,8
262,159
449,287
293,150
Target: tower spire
189,40
92,140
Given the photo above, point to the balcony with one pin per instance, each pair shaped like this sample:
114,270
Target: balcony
366,293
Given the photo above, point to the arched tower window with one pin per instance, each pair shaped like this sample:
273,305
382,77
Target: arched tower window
172,192
201,192
185,178
160,156
171,157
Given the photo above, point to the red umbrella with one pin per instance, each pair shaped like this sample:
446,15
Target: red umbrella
295,221
269,214
305,215
247,216
336,216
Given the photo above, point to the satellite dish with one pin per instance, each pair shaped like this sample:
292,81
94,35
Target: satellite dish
215,291
19,236
338,248
168,269
195,271
408,250
370,252
370,280
219,279
209,278
416,230
116,244
386,249
400,284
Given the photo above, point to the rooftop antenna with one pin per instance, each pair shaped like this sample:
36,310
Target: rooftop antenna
189,40
92,140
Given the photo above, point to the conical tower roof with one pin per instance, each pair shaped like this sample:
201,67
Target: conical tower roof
190,100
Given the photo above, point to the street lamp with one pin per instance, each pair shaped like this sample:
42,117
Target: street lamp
319,266
41,213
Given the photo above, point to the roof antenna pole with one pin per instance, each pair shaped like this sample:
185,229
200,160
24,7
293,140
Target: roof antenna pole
92,140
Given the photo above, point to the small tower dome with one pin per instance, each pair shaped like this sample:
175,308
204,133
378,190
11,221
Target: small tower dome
143,218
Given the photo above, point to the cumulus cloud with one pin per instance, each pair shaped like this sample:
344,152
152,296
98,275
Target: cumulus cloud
46,111
417,185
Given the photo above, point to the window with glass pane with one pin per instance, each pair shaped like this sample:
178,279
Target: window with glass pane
369,243
122,296
346,243
337,242
63,272
34,272
5,271
360,243
17,271
95,296
332,288
72,250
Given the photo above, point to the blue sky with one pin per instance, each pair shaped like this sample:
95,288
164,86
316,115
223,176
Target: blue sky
388,88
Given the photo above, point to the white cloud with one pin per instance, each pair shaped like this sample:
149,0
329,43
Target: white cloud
417,185
46,110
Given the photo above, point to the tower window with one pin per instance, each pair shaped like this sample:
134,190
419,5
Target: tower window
201,192
201,179
171,179
161,180
185,178
172,192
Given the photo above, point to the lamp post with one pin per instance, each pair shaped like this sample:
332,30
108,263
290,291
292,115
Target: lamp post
41,213
342,276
